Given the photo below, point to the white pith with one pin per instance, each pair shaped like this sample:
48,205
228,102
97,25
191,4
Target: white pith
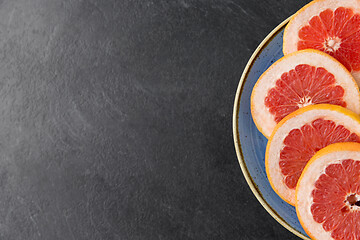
332,44
306,185
277,144
305,101
265,120
353,207
301,19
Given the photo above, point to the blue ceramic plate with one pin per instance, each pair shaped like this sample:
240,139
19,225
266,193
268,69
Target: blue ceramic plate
250,144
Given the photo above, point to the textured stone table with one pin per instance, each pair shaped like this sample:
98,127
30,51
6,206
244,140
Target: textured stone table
116,118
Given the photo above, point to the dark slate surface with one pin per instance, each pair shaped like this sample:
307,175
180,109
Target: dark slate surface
116,118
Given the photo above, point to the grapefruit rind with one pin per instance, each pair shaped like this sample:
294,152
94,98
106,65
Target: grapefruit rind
264,120
331,154
302,116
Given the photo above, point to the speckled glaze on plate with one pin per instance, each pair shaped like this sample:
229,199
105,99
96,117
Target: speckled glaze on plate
250,144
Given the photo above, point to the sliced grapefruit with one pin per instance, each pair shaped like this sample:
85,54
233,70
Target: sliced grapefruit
328,193
297,80
331,26
299,136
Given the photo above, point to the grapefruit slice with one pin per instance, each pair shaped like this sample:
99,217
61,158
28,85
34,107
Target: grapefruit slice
299,136
331,26
328,193
297,80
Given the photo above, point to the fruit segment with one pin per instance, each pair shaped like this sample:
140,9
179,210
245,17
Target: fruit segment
330,26
328,196
303,86
335,33
298,80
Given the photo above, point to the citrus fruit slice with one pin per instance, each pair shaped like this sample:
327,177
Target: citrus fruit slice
297,80
328,193
299,136
331,26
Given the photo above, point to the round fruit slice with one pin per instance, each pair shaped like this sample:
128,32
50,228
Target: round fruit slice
328,193
297,80
299,136
331,26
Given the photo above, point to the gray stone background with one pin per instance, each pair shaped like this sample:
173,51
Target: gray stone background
116,118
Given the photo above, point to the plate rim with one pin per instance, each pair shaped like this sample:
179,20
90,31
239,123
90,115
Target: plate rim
237,143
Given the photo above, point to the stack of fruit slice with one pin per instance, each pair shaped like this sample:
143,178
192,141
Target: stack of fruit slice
307,105
299,136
